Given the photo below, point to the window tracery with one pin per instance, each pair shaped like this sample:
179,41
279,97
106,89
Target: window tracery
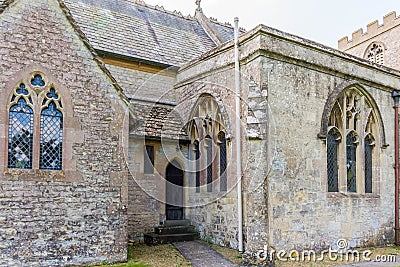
375,53
209,144
35,120
350,163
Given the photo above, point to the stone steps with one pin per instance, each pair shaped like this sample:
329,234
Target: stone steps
167,230
177,223
172,231
155,239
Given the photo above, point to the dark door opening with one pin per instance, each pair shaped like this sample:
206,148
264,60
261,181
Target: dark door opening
174,192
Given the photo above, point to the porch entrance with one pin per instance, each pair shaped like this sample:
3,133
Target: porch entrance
174,191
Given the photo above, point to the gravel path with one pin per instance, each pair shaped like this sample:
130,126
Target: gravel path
201,255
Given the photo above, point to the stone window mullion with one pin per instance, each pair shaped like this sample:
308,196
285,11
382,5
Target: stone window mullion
209,119
36,135
342,149
360,165
361,147
358,156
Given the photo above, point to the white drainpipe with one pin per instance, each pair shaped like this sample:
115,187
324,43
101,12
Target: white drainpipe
238,137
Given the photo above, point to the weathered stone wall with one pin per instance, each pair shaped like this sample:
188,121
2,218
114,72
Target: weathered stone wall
75,216
213,213
216,213
388,34
302,214
147,191
286,83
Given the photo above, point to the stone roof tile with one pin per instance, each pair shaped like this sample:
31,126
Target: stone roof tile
137,30
155,120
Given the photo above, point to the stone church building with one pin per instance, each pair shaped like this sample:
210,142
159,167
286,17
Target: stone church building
117,117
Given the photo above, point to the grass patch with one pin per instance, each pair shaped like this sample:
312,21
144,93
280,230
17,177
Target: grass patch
132,264
231,254
141,255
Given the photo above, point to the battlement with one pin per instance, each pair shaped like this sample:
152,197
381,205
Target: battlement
390,21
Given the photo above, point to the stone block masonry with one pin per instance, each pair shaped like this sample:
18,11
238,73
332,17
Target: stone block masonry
75,217
287,84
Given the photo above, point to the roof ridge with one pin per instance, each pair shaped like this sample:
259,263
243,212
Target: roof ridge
91,49
162,9
180,15
225,24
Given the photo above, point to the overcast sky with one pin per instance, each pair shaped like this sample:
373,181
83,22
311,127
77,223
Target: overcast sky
324,21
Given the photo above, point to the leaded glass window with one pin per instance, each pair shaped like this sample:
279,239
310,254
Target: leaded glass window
38,81
20,130
51,132
351,163
209,147
375,53
368,147
222,163
354,116
206,126
332,161
149,160
197,158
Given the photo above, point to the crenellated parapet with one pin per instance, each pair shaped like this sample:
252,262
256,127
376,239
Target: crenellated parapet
390,21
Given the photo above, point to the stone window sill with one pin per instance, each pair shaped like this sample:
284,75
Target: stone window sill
351,195
40,175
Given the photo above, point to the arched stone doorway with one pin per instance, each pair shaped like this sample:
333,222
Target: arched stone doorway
174,192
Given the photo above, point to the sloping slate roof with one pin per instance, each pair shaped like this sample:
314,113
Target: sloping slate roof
226,32
125,28
155,120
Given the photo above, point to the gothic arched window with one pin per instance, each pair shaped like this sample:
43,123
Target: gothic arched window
209,149
368,152
222,162
375,53
332,144
20,129
197,159
35,126
350,163
210,159
51,132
